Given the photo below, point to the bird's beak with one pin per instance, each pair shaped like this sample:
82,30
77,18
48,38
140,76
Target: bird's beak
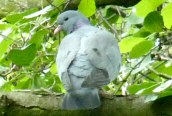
58,29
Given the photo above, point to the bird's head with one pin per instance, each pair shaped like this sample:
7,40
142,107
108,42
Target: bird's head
70,20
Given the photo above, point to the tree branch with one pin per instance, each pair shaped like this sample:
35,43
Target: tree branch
27,103
126,3
165,76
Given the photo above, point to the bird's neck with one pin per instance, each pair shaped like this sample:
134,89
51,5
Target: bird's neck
80,24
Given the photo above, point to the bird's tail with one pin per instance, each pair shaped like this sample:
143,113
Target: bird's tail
84,98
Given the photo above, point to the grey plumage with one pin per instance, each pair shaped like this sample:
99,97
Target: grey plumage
88,58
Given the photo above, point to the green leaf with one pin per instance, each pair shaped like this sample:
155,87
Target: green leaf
148,90
147,60
13,18
87,7
163,86
153,22
167,17
38,82
151,97
41,12
141,49
164,69
37,37
53,69
24,83
134,19
109,12
4,26
142,33
165,93
26,27
133,89
7,86
23,57
158,65
144,7
58,2
127,44
4,45
58,87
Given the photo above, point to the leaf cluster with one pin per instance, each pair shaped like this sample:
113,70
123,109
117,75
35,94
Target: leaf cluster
28,46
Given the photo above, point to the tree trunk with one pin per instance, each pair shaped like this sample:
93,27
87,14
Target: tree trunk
28,103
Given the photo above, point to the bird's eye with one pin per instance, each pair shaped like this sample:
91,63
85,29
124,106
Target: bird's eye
66,18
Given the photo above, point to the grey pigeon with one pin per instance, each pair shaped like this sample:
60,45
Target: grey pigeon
88,58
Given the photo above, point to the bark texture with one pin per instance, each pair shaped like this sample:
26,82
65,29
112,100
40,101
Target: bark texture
29,104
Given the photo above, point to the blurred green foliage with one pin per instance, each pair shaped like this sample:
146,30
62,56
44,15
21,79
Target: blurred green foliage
28,47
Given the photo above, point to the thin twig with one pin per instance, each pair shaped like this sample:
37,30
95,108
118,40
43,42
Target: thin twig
156,67
128,75
148,72
54,6
24,41
106,19
145,76
7,73
113,29
165,76
66,5
119,11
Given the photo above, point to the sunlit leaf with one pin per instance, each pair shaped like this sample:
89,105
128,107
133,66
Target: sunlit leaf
164,69
7,86
25,27
41,12
167,17
4,26
141,49
58,2
4,34
148,90
87,7
138,27
24,83
13,18
163,86
53,69
127,44
144,7
165,93
134,19
133,89
150,97
4,45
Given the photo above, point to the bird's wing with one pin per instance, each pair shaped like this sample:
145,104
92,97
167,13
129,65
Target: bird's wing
66,54
103,52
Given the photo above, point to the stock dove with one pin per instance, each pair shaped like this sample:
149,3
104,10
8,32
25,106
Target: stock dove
88,58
